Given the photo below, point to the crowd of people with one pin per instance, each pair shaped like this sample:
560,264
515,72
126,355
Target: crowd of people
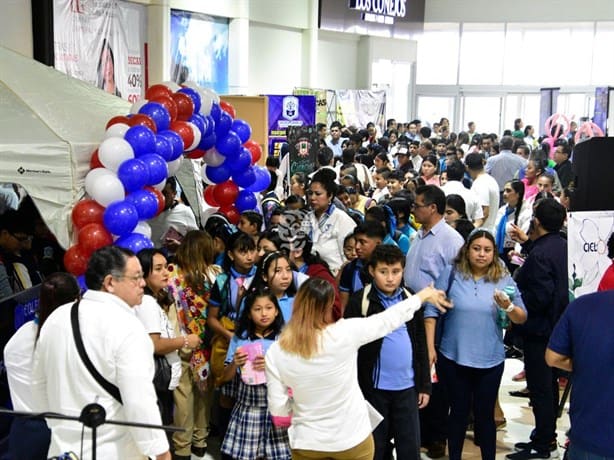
383,288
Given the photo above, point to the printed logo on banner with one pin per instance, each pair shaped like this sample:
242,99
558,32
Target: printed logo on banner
290,107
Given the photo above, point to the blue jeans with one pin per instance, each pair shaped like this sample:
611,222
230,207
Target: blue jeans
576,453
400,412
464,386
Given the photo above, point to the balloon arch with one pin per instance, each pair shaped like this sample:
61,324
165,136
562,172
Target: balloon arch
142,149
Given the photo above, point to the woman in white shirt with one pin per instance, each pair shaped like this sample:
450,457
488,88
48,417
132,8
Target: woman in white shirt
153,313
57,289
312,373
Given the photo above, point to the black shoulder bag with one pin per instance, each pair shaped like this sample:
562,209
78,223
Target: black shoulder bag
76,332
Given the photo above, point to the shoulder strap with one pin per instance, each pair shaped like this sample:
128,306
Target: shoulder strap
76,332
364,306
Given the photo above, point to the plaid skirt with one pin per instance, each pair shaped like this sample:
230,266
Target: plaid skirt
251,434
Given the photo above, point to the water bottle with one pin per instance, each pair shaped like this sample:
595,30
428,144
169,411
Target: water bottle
503,320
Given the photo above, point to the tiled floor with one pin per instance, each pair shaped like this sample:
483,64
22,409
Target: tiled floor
517,412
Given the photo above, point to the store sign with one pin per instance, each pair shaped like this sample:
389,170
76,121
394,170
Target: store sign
382,11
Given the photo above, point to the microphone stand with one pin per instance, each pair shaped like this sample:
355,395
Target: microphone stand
92,416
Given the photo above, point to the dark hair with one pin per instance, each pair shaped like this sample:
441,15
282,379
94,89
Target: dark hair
326,178
551,214
611,246
457,203
387,254
109,260
371,230
57,289
518,187
300,177
401,206
253,217
263,270
241,242
433,160
303,240
272,161
456,170
217,226
245,325
433,195
527,129
496,270
273,236
380,215
384,172
145,257
294,199
425,132
325,155
319,126
397,174
464,227
14,221
383,156
517,123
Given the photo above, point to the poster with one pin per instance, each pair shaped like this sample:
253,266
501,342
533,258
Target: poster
286,111
588,233
321,102
102,43
600,116
359,107
303,149
199,50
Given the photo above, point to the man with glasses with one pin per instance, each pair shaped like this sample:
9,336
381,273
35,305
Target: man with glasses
433,248
119,349
18,269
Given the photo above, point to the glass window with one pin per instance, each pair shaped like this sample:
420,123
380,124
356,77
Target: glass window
431,109
524,106
437,62
484,111
481,57
603,64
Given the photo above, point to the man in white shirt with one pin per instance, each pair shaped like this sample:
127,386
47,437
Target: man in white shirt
456,171
486,189
119,349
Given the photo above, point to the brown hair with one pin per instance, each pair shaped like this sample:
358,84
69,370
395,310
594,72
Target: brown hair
194,256
497,269
302,334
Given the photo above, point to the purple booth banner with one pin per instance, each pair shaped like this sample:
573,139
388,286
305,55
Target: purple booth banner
600,116
286,111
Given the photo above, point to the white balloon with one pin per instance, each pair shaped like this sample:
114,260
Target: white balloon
173,166
107,189
171,85
197,136
92,177
116,130
143,228
192,84
206,179
113,152
208,97
213,157
160,185
137,106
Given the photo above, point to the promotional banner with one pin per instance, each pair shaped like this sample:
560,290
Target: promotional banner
303,149
102,43
321,102
286,111
199,50
588,233
600,116
359,107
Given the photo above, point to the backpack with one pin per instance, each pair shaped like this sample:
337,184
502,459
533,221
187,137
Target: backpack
364,306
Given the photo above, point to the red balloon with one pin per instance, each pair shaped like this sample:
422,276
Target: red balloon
185,106
169,103
195,154
117,119
232,213
184,130
226,193
92,237
159,197
95,161
228,108
157,90
75,260
87,212
140,119
254,149
210,196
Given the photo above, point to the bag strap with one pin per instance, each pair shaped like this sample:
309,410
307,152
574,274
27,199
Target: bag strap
364,306
76,332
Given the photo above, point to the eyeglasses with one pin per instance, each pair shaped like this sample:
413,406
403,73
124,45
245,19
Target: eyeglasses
134,278
415,206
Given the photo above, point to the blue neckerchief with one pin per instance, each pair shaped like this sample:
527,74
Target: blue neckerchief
235,274
303,269
501,229
389,300
325,217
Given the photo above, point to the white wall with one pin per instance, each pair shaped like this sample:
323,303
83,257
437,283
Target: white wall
518,10
337,61
16,26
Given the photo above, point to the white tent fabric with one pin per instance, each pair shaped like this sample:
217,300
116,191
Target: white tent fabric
49,126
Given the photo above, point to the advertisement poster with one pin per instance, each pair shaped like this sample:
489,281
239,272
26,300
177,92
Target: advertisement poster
588,233
303,149
600,117
287,111
321,102
359,107
199,50
102,43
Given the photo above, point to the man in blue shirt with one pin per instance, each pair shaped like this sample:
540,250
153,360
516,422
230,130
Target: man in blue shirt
583,344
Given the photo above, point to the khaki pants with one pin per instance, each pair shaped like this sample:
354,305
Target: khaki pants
192,411
363,451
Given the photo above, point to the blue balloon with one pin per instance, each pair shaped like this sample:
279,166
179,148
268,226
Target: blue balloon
176,142
199,121
229,145
207,142
210,128
222,126
120,217
241,162
145,202
246,201
158,114
158,169
218,174
164,148
245,178
142,139
216,111
194,96
263,180
136,242
133,173
243,130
